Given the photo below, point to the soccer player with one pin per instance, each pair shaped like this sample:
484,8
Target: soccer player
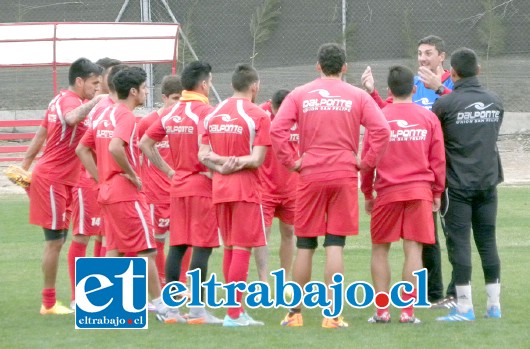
278,197
328,113
193,221
409,181
156,183
471,118
86,211
234,144
431,82
58,169
113,138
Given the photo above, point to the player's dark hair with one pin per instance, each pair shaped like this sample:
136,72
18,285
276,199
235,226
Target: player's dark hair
194,73
464,62
113,71
128,78
435,41
278,97
400,80
107,62
331,58
171,84
244,76
83,68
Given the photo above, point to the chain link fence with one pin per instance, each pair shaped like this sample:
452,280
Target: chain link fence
281,39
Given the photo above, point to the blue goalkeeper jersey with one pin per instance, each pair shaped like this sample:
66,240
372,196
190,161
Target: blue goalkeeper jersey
426,97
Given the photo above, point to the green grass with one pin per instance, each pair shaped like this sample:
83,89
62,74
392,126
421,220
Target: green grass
22,327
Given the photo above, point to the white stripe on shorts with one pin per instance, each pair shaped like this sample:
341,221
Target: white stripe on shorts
54,209
81,211
144,223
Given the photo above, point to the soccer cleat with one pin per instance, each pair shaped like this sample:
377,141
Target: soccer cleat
57,309
493,312
251,321
172,316
448,302
383,319
292,320
406,319
203,317
455,315
239,322
334,323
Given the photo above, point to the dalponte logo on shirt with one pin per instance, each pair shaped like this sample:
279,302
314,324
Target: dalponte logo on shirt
359,294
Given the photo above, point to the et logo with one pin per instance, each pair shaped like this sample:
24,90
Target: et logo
111,293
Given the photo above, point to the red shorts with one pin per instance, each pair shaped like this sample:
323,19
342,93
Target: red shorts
160,217
241,224
49,203
193,222
282,208
128,226
327,207
86,212
410,220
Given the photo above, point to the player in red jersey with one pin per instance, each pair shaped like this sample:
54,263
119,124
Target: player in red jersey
409,181
156,183
58,169
193,221
86,212
113,141
329,113
278,197
234,146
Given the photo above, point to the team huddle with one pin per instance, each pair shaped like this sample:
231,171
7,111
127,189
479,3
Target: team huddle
203,176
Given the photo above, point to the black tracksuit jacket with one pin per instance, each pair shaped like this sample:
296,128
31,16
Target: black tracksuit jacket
471,118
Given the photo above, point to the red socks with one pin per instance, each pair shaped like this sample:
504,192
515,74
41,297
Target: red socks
408,296
48,297
77,249
227,259
161,262
97,248
238,272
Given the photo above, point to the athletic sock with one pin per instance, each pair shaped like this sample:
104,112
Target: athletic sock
161,262
77,249
238,272
103,251
173,262
406,297
97,248
199,259
227,260
185,265
464,299
494,294
48,297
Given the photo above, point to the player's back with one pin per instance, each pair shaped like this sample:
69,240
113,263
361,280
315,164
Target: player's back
329,115
414,131
59,160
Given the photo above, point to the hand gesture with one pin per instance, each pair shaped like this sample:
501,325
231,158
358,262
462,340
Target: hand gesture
367,80
431,80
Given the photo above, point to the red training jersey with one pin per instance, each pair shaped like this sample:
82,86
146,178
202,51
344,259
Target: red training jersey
155,182
276,179
117,122
85,179
233,129
413,167
59,161
329,114
180,124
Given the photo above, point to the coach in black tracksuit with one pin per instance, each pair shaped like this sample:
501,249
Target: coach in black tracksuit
471,118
